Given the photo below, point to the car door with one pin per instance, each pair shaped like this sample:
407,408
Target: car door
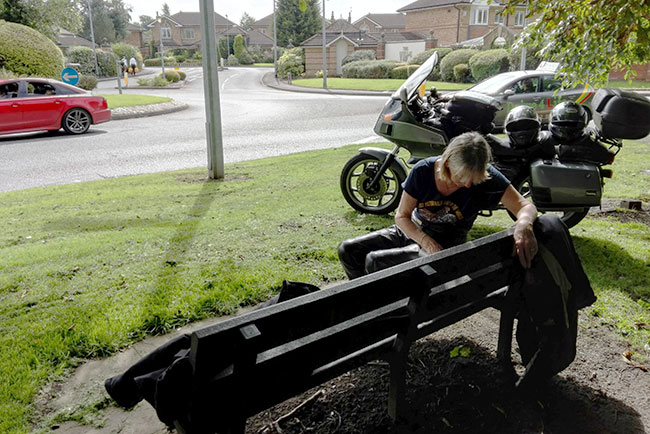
524,91
11,115
42,107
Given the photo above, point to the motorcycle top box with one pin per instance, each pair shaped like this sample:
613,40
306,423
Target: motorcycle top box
565,184
621,114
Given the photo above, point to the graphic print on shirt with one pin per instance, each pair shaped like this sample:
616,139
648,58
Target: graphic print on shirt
438,212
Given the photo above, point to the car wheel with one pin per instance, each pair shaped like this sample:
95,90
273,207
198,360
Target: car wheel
76,121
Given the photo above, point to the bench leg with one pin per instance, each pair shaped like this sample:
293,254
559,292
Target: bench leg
504,346
397,388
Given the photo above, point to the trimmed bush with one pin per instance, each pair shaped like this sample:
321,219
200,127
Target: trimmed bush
106,61
452,59
182,74
368,69
171,75
24,51
156,61
88,82
359,55
462,73
292,60
127,51
422,57
533,58
487,63
85,58
402,71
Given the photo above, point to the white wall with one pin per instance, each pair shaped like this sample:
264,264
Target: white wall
394,50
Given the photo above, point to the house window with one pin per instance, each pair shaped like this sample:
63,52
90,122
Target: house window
479,16
166,31
519,19
498,18
364,27
187,34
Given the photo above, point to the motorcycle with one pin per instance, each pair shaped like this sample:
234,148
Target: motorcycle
568,180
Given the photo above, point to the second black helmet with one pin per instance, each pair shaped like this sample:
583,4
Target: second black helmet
522,126
567,121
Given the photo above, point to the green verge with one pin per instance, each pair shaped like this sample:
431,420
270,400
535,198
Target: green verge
624,84
116,100
89,268
372,84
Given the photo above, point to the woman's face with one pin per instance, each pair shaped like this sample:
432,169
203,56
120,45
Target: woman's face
460,177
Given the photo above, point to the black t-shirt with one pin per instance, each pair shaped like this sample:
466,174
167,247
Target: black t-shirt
447,219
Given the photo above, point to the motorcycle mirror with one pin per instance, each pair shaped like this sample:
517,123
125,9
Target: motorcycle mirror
403,96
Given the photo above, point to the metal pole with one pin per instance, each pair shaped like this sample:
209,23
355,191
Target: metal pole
522,62
324,51
275,45
92,37
211,91
162,49
118,68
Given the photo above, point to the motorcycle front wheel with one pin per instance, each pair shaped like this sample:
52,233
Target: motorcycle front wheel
356,177
570,218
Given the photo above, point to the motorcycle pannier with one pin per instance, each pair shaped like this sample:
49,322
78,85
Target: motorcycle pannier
621,114
565,184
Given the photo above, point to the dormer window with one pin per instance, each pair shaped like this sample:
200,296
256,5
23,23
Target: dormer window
479,16
166,31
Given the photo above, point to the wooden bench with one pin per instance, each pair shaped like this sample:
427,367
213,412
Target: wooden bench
251,362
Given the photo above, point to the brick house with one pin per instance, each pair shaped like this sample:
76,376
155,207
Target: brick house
135,36
264,25
183,29
381,23
456,21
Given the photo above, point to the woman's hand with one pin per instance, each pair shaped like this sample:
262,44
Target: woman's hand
525,246
429,244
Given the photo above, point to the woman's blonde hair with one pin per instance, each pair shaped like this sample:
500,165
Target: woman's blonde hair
467,156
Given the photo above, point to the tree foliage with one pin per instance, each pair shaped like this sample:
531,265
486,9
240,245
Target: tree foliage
589,37
25,51
165,9
110,18
246,21
297,20
45,16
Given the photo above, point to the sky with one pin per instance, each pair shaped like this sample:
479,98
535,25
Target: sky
260,8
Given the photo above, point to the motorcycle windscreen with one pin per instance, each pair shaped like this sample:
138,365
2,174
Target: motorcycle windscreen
418,77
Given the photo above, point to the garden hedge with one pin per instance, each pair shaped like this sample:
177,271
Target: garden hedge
359,55
462,73
369,69
402,71
533,58
420,58
85,58
292,60
156,61
24,51
487,63
452,59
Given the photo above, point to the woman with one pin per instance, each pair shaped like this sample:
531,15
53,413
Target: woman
442,197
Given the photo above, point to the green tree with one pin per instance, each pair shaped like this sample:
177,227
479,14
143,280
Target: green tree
165,9
246,21
145,20
120,15
238,45
589,37
110,18
45,16
297,20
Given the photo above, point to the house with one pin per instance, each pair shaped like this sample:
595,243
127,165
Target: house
343,38
67,39
136,36
264,25
456,21
381,23
183,29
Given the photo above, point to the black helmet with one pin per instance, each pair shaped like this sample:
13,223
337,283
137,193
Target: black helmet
567,121
522,125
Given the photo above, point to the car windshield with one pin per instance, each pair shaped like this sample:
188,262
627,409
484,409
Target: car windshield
418,77
494,84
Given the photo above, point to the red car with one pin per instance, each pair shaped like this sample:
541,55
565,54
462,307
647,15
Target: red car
39,104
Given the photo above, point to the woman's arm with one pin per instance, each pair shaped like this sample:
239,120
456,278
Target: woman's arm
406,206
525,243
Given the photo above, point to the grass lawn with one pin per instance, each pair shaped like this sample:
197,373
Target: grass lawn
116,100
372,84
89,268
624,84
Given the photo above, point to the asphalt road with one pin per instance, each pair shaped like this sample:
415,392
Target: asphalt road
257,122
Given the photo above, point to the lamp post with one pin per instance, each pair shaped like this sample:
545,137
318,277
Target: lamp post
162,49
324,51
92,37
275,45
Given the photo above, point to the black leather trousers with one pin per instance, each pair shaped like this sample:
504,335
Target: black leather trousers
377,250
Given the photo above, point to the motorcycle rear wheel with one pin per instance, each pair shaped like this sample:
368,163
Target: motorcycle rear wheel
356,176
570,218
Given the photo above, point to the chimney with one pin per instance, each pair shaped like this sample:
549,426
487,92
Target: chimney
350,17
332,19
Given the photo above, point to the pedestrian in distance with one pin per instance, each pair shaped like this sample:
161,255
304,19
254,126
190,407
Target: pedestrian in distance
134,65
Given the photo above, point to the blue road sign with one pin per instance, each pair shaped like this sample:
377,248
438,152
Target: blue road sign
70,76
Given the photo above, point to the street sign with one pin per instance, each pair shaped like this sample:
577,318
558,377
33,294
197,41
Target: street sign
70,76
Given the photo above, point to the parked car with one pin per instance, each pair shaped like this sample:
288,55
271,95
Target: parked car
539,89
40,104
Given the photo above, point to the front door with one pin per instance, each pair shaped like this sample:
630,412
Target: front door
341,52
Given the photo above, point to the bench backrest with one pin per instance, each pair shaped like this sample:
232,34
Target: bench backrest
253,361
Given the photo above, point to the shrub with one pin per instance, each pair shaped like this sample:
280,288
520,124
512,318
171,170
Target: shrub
180,58
368,69
145,82
359,55
197,56
533,58
232,60
452,59
24,51
182,74
171,75
156,61
106,61
487,63
292,60
402,71
7,74
160,81
85,58
462,73
127,51
420,58
88,82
